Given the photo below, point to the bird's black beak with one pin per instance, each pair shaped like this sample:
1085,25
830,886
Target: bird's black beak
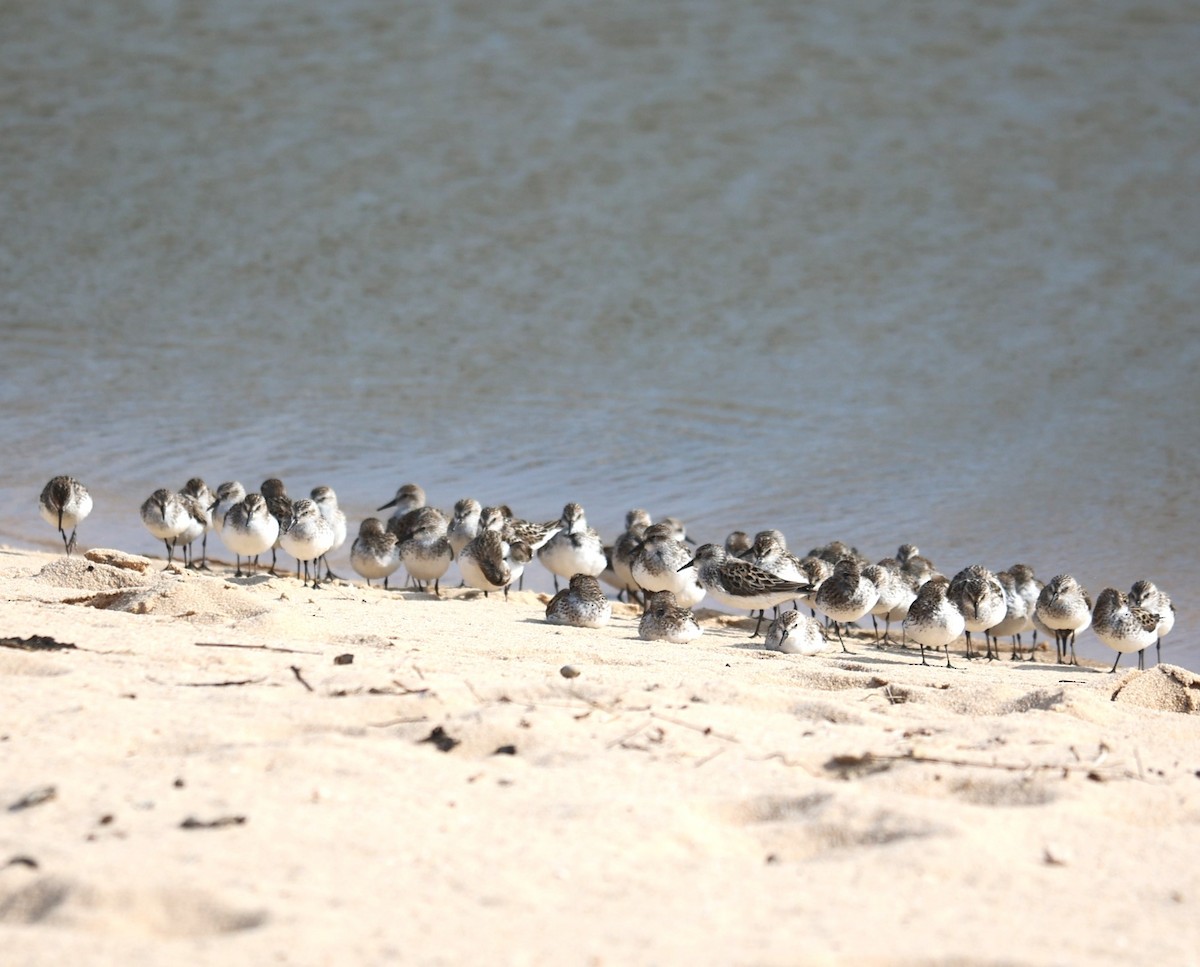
390,503
690,540
686,566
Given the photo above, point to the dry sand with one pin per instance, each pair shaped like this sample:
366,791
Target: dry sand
167,800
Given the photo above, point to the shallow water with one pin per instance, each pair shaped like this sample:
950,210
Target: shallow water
879,274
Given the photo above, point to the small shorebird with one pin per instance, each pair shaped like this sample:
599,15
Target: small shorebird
582,604
896,595
1016,616
1122,628
817,570
657,562
664,620
327,503
621,555
64,503
934,620
197,489
575,549
914,563
1065,608
491,562
835,551
228,494
427,553
1145,595
409,497
980,598
249,529
526,531
195,526
280,506
166,517
740,584
769,551
845,596
1029,588
373,553
738,544
464,524
794,633
307,538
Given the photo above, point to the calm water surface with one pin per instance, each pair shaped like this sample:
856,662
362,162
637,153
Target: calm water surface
854,273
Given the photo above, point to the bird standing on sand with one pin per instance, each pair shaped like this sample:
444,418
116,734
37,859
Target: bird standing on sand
575,549
740,584
165,517
980,598
933,620
373,553
1065,608
845,596
198,490
249,529
280,506
657,563
327,503
1144,594
307,538
64,503
426,554
1122,628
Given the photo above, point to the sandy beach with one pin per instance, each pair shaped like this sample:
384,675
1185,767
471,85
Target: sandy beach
251,772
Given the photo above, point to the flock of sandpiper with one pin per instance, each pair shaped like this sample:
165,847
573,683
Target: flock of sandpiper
649,562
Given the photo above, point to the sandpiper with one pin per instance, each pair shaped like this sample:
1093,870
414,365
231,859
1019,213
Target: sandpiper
491,562
249,529
933,620
664,620
845,596
373,553
1145,595
740,584
165,517
582,604
1065,608
308,538
65,502
1124,628
575,549
657,562
794,633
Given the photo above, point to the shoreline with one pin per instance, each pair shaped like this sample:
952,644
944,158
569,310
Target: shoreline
225,790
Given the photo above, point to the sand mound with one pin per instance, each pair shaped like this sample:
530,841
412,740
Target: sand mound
163,912
1167,688
80,574
126,586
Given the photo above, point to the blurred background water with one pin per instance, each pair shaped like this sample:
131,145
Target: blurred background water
887,272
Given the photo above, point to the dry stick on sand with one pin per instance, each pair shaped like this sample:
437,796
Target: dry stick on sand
226,644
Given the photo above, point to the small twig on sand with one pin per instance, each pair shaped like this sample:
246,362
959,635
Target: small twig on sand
34,798
240,681
702,729
629,735
299,677
402,721
229,644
